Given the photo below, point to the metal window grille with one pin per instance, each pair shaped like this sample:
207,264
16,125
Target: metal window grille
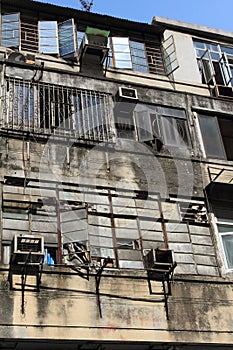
48,108
155,60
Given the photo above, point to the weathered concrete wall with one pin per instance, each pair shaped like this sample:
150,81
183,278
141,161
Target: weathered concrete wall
66,308
93,176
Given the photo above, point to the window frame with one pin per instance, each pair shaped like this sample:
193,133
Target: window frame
156,114
50,52
117,50
225,223
219,54
180,143
73,36
215,118
19,29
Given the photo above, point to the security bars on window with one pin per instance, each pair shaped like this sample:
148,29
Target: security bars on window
47,108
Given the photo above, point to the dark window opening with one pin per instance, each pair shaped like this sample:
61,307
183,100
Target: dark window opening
217,135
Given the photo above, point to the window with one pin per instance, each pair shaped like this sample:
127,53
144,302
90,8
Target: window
217,133
169,125
11,30
138,56
226,233
220,198
174,125
215,62
58,38
66,34
121,52
169,55
48,37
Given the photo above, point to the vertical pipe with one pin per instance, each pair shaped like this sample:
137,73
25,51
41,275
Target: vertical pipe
163,223
1,210
59,234
113,228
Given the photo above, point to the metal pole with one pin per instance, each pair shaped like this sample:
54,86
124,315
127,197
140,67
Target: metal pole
59,234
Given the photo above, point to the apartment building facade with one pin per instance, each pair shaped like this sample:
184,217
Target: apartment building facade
116,149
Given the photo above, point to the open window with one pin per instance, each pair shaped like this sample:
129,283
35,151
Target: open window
67,38
11,30
216,65
225,68
169,55
121,52
57,38
139,56
207,66
48,37
217,133
149,123
220,199
174,127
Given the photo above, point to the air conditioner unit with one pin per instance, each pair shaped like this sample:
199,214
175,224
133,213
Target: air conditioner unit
159,257
126,99
125,93
223,91
94,43
27,245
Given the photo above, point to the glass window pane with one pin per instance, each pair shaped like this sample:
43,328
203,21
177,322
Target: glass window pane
10,30
122,56
140,68
80,36
139,60
214,47
137,45
175,129
121,52
48,25
215,56
199,53
120,41
48,37
228,249
211,137
144,126
199,44
66,37
138,53
173,112
226,128
228,50
169,131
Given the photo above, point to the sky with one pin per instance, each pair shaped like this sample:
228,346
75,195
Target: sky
212,13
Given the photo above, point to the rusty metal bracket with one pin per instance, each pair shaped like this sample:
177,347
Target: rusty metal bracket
97,283
165,277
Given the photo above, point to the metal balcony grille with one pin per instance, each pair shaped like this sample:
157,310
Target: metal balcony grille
47,108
